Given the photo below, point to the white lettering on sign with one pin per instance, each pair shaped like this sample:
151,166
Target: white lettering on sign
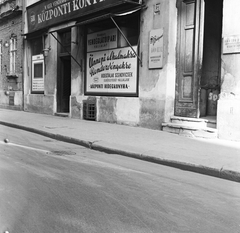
63,7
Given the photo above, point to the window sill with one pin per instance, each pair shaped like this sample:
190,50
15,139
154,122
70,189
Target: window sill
11,75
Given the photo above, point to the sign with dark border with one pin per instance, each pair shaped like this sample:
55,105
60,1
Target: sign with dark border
37,74
46,13
112,72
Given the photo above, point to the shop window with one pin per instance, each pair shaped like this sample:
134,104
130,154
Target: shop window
0,56
13,53
129,25
112,57
36,46
38,65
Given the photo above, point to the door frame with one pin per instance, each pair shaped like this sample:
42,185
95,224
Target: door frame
189,106
60,83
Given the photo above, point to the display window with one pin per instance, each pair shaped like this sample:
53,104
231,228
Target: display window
37,66
112,57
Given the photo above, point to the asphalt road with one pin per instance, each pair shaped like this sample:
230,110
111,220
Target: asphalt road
50,186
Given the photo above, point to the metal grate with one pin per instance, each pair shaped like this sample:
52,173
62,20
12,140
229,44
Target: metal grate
89,110
11,100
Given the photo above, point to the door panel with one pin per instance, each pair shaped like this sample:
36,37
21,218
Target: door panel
188,57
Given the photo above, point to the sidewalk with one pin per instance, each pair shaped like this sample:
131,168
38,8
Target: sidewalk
207,156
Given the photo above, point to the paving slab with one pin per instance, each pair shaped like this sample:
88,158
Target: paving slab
219,158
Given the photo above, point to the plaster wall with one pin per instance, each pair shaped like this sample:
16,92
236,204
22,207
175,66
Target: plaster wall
229,102
157,87
77,72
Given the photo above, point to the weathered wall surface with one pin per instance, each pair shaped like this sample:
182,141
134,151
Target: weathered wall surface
157,87
10,88
229,102
77,81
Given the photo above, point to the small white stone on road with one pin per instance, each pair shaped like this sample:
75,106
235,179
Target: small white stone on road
6,141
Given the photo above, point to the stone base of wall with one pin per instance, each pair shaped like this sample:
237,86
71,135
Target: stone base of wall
228,123
11,100
39,104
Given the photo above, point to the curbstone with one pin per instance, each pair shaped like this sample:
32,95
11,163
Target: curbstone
95,145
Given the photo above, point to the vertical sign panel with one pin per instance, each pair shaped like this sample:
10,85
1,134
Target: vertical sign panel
156,49
38,74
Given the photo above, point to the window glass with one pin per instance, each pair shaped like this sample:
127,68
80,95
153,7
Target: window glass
36,46
13,51
129,26
38,70
65,38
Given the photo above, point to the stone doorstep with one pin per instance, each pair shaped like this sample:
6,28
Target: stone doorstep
61,114
194,122
189,130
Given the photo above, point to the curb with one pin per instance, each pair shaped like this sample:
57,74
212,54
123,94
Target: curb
223,174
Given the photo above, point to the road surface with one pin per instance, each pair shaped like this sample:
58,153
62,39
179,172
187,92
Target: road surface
51,186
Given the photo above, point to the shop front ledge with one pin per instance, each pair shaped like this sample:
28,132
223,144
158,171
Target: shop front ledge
12,75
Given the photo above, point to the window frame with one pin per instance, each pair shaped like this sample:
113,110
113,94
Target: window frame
13,54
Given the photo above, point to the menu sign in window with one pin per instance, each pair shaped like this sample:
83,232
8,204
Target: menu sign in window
112,71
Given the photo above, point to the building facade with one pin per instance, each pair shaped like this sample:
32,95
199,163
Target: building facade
11,48
140,63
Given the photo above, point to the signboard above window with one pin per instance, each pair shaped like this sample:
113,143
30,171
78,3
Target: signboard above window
102,40
47,13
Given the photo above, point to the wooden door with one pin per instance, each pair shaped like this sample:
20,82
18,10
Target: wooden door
189,57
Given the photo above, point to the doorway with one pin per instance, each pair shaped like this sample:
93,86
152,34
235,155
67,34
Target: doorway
198,57
211,64
64,85
64,72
